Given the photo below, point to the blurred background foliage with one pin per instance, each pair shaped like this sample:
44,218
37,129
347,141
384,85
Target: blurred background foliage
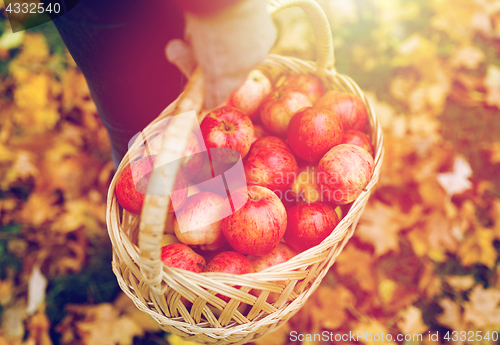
425,257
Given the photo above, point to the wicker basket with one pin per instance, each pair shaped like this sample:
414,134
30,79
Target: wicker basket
157,289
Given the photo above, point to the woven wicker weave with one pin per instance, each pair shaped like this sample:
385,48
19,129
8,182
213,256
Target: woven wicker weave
157,289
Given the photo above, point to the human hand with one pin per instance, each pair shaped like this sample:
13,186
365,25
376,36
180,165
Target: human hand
226,45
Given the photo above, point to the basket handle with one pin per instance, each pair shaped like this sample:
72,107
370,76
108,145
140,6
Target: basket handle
154,213
325,57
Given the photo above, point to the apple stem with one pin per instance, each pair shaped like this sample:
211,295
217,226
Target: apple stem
251,197
201,265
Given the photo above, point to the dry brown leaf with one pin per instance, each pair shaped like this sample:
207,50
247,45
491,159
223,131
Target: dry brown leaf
103,324
6,290
13,321
371,327
358,265
451,316
495,152
380,225
467,56
460,283
38,327
457,23
126,306
23,167
429,284
412,322
328,312
278,337
482,308
39,209
434,237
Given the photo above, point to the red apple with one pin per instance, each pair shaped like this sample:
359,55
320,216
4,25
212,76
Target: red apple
137,172
359,139
259,222
280,254
181,256
312,132
279,106
193,157
270,163
305,186
230,262
249,96
229,132
133,181
309,84
309,224
344,172
258,132
198,223
349,107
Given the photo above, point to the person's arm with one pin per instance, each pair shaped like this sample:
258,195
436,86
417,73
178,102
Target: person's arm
227,43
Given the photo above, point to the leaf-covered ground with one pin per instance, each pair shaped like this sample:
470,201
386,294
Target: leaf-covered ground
424,259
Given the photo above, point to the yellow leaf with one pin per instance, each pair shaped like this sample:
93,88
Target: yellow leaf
35,48
492,84
482,308
176,340
478,248
33,94
412,322
386,290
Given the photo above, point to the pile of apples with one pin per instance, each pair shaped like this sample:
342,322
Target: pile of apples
306,158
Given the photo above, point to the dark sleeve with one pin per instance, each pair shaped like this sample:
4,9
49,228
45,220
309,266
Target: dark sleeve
204,7
120,48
